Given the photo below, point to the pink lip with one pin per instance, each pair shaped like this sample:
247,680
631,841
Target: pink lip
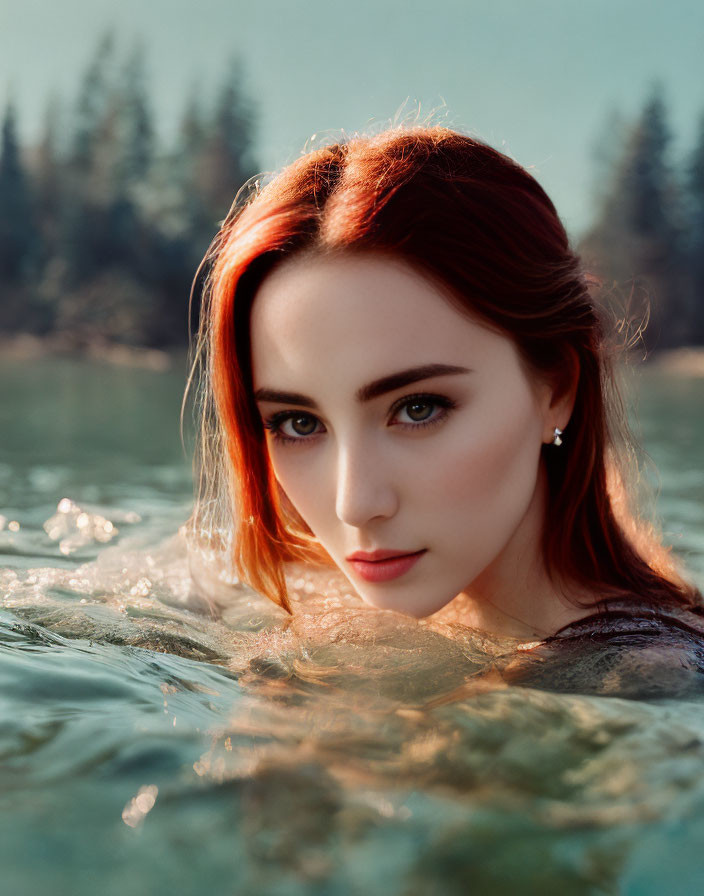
381,570
380,554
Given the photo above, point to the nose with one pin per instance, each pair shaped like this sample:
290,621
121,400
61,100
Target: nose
364,489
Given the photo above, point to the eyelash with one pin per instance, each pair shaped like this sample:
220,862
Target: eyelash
273,422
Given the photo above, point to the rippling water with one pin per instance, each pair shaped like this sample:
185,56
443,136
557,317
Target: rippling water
153,743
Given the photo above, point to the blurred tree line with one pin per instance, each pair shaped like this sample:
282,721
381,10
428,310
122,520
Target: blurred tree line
101,232
647,240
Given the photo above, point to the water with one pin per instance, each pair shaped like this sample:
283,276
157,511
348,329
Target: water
150,745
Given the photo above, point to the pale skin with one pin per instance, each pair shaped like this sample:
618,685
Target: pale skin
468,488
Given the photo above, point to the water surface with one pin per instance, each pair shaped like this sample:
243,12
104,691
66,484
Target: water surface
151,743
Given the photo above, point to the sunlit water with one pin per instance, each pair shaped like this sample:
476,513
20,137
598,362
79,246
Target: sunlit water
153,744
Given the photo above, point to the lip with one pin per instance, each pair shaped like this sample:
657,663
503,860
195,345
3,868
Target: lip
373,556
382,570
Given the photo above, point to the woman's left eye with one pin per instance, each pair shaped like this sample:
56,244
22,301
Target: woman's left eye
419,410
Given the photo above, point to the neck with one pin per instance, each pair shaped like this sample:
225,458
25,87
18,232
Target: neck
513,596
530,611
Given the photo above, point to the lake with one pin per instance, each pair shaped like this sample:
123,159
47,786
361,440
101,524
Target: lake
149,745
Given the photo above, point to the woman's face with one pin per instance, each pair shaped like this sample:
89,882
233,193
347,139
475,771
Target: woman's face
407,427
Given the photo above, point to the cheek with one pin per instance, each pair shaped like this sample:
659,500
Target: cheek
489,476
304,489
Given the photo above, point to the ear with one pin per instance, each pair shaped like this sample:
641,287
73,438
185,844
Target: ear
557,395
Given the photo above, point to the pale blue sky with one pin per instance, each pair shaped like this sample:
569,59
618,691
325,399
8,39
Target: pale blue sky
535,78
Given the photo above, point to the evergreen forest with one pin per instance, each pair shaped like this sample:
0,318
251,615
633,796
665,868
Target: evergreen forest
102,229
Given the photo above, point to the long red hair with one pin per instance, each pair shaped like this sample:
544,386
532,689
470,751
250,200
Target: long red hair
474,220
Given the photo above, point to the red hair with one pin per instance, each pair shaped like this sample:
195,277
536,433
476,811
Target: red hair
478,223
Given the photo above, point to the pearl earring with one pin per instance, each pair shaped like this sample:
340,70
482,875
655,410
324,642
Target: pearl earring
557,440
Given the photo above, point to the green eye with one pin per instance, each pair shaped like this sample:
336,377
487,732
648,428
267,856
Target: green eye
299,429
303,425
421,410
425,410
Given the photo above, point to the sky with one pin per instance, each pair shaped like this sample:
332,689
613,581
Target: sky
538,79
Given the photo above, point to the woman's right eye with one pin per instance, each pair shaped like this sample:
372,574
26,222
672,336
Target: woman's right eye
302,426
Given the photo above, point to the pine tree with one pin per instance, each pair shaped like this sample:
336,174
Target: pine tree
227,153
606,154
20,245
695,241
47,173
636,241
89,173
93,99
137,132
17,228
212,159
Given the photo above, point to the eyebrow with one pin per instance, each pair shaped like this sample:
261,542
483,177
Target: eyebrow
372,390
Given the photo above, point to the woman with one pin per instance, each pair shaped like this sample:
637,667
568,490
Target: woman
406,377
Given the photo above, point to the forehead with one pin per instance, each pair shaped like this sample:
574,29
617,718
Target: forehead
351,317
